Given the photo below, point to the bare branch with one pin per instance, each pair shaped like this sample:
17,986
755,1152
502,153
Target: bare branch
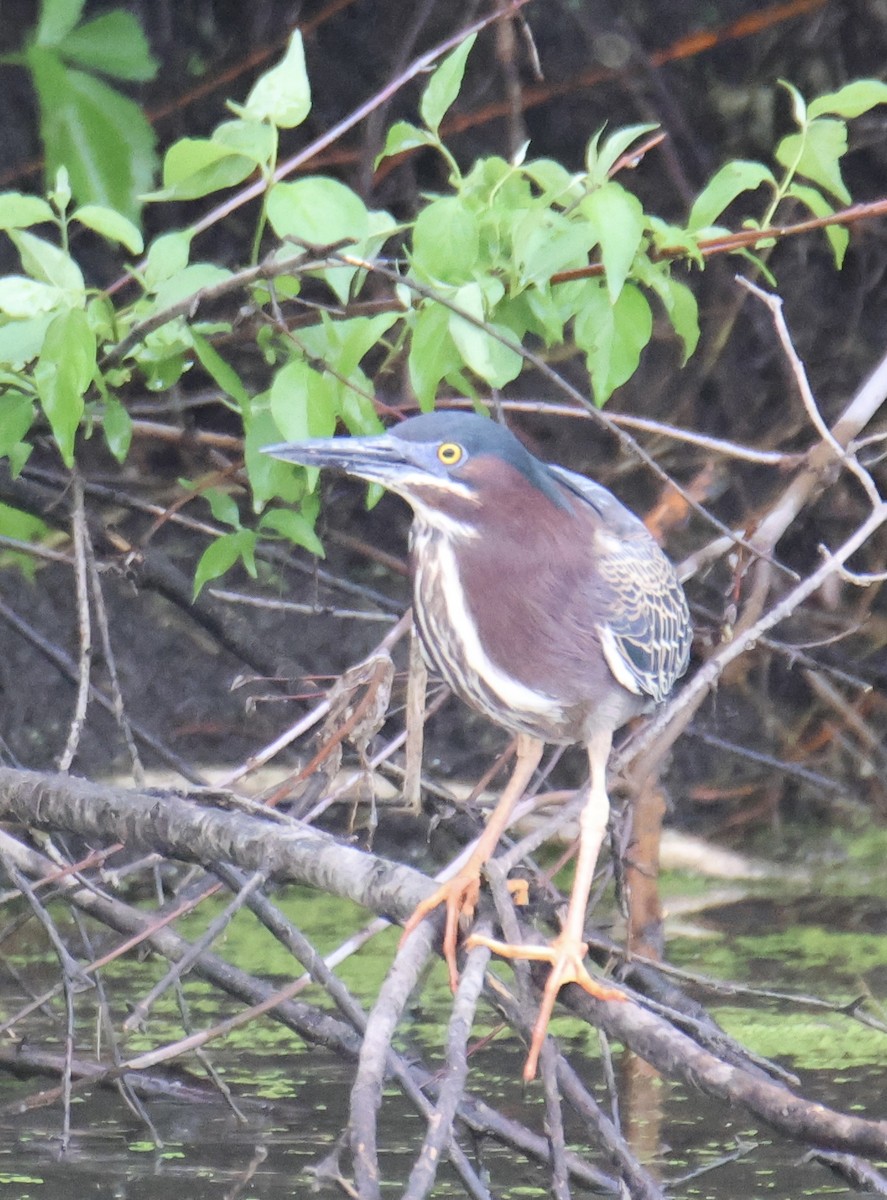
80,539
775,305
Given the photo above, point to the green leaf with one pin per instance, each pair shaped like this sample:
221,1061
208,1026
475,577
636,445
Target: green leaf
188,282
679,303
488,357
195,167
666,236
18,456
167,255
223,507
17,523
617,219
20,341
218,370
24,527
541,314
725,185
18,211
380,226
303,402
683,312
162,354
599,161
403,136
818,153
44,261
189,156
612,336
446,240
443,86
556,182
60,194
545,242
101,136
63,373
320,211
255,139
114,44
269,478
352,340
102,317
21,297
852,100
799,104
16,418
355,405
283,94
222,554
57,19
295,527
112,225
117,427
839,238
490,177
433,353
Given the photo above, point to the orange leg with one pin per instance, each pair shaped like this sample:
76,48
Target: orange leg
567,951
460,893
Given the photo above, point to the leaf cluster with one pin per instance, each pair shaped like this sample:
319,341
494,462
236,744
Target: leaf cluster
510,254
89,127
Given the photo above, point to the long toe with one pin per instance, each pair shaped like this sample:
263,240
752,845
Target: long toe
459,894
567,966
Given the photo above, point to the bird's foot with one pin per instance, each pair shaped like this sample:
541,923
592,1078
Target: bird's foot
459,894
566,955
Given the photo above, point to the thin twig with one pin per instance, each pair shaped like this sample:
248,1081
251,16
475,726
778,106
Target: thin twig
639,1183
109,1034
714,445
775,305
310,719
214,930
80,537
71,969
554,1121
366,1094
309,610
439,1132
110,661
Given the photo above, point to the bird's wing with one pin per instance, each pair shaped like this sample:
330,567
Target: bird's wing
646,633
646,636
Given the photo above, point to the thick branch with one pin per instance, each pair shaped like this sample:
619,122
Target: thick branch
183,829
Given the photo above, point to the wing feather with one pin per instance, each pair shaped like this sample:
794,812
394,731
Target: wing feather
645,631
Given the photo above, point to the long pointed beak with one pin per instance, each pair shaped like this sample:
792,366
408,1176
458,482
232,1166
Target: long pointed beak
378,459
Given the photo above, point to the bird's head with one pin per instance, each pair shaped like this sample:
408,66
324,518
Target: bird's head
448,466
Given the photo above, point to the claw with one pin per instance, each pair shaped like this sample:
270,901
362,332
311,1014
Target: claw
519,890
566,956
460,895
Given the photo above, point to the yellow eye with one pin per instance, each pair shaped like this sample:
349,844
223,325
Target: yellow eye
449,453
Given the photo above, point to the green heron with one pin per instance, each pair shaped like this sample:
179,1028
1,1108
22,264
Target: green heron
545,604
